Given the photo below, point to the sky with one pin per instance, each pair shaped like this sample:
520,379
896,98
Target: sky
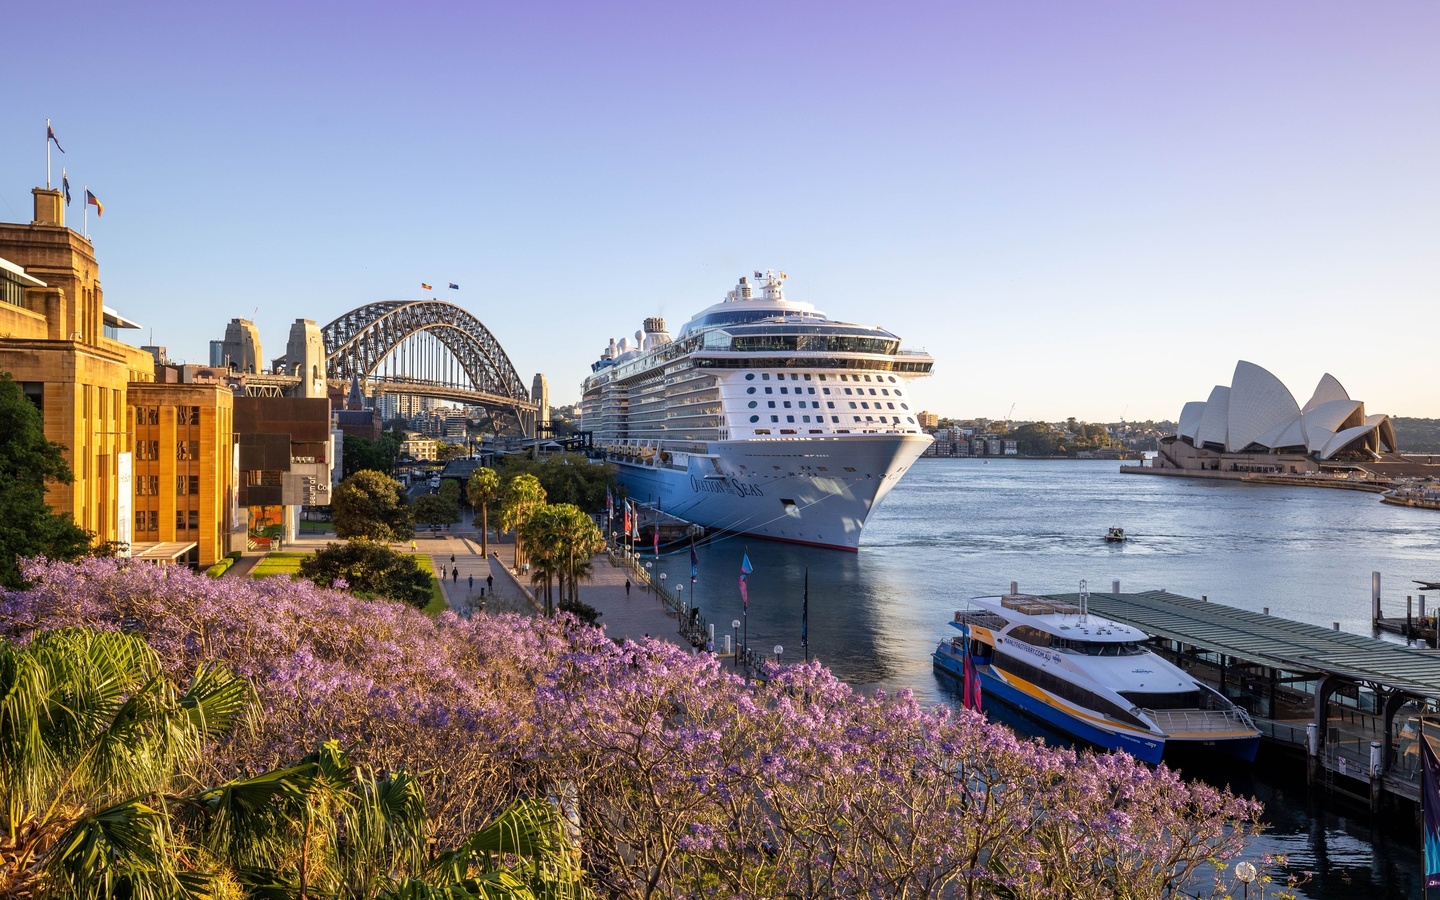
1079,209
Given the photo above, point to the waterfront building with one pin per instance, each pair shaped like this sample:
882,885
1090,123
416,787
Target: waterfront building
183,471
59,343
1254,425
927,420
283,463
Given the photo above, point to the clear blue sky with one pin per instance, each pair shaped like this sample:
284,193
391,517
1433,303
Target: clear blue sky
1088,209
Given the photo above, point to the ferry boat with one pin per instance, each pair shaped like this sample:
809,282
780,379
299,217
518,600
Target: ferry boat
761,416
1090,677
1115,535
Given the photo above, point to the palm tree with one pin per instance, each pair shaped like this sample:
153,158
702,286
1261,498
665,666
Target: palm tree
482,489
93,736
522,496
581,540
95,741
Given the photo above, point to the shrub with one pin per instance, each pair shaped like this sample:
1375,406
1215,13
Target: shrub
370,570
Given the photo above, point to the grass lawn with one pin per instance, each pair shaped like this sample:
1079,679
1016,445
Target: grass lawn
315,527
437,604
287,564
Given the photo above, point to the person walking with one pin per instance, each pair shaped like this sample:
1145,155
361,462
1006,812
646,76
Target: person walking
413,548
452,559
472,582
490,581
627,587
454,575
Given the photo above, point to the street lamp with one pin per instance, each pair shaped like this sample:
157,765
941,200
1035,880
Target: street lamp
778,650
662,587
735,642
1246,873
680,596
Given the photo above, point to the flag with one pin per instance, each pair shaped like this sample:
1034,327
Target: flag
968,670
627,518
425,287
1430,803
609,504
65,186
758,276
657,538
745,569
694,564
50,136
805,614
454,286
95,202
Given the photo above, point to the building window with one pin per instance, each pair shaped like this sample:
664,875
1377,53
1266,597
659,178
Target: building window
147,485
187,415
187,449
194,519
149,450
187,484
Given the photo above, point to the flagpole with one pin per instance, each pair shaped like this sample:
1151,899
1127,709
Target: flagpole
47,154
745,615
85,226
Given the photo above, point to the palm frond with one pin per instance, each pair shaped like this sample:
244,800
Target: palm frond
118,851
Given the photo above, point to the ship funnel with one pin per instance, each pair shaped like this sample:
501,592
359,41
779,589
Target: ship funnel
742,290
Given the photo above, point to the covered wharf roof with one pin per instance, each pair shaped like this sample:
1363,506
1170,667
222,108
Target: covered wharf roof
1280,643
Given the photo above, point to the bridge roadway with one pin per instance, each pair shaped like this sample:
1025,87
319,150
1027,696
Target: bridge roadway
1292,676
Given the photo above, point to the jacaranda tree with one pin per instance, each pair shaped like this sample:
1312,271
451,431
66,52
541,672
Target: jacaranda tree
676,777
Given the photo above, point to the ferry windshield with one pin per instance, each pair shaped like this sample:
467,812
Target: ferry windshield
1095,648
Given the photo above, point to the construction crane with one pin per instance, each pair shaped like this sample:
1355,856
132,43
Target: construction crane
1008,415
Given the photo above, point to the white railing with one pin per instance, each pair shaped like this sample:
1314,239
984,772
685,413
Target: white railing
1178,722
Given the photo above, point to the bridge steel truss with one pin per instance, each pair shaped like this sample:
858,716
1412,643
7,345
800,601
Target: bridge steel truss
357,344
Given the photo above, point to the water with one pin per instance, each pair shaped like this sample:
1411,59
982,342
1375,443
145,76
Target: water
955,529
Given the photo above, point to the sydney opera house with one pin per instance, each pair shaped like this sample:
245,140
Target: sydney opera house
1255,425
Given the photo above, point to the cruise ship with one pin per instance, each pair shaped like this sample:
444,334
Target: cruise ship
1090,677
762,416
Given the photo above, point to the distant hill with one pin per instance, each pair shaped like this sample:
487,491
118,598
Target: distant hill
1417,435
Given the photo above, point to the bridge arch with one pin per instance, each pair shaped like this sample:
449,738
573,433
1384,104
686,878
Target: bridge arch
358,343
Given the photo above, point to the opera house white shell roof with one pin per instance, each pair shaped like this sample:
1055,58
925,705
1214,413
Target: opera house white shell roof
1257,413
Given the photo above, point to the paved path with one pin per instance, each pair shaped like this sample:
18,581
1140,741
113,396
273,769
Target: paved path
624,615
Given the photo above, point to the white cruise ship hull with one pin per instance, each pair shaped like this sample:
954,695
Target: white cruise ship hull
815,491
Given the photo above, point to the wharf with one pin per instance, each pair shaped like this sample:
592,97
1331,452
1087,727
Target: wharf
1349,703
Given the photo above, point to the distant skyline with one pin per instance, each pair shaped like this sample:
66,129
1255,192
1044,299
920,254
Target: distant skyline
1079,209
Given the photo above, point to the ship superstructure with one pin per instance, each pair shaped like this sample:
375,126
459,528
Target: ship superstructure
761,416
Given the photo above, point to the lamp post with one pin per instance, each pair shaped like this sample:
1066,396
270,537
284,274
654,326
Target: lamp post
1246,873
778,650
680,596
662,588
648,582
735,642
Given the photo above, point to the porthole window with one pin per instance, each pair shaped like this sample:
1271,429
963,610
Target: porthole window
750,389
904,406
892,379
749,376
754,418
752,403
910,420
897,393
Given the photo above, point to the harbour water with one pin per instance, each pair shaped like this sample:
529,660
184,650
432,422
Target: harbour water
960,528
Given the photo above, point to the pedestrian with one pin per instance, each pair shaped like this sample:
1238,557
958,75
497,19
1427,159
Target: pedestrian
413,548
454,575
490,581
472,582
452,559
627,587
710,645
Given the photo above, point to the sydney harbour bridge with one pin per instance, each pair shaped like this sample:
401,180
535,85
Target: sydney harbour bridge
419,348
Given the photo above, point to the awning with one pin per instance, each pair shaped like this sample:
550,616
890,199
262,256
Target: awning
161,551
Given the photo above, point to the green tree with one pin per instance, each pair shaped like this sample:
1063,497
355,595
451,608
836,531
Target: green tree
446,451
379,455
566,478
371,505
482,490
560,541
28,462
521,496
370,570
436,509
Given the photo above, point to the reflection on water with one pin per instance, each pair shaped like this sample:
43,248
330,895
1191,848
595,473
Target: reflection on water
955,529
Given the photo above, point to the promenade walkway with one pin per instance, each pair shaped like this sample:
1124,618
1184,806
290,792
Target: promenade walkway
633,614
